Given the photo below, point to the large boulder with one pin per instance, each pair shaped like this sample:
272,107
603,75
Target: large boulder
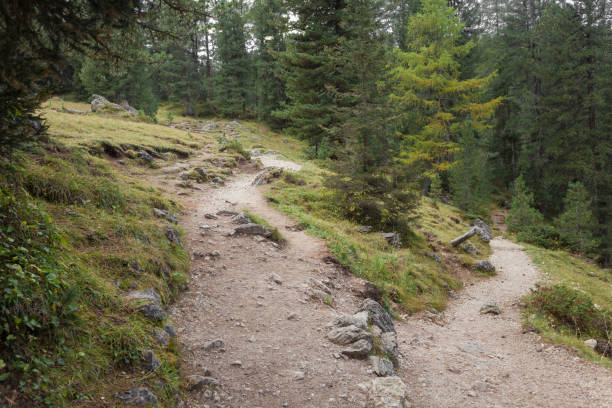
99,103
359,349
386,392
377,315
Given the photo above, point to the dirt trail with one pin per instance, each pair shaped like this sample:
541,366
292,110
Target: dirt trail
473,360
275,354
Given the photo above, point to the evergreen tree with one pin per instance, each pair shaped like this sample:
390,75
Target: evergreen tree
232,79
438,106
369,188
522,215
308,71
269,30
576,224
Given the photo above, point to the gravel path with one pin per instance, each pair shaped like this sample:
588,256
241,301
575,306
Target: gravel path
467,359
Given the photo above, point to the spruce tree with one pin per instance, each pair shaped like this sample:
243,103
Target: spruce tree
522,215
308,71
576,224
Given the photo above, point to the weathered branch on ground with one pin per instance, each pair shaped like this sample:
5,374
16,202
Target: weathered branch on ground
464,237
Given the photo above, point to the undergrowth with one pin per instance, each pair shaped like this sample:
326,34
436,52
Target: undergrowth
76,235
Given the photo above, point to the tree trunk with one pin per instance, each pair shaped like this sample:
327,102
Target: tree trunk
463,237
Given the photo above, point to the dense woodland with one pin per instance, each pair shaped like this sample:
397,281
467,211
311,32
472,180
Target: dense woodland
476,103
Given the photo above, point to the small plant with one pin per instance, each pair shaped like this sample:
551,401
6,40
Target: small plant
169,117
234,146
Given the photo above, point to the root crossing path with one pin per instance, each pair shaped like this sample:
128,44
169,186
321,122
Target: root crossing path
256,298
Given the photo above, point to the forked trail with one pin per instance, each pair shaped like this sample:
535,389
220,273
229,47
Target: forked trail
274,353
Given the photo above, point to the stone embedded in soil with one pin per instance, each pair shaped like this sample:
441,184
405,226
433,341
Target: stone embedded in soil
386,392
214,345
145,294
170,330
165,214
137,396
198,382
210,216
347,335
160,337
153,311
383,367
241,218
483,230
377,315
485,266
490,307
276,279
393,239
359,320
251,229
173,236
592,343
388,343
150,361
364,229
359,349
227,213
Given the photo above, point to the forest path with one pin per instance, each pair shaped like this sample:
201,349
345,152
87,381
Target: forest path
469,359
274,352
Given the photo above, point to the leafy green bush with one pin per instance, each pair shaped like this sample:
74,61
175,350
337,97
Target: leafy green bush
542,235
36,298
572,309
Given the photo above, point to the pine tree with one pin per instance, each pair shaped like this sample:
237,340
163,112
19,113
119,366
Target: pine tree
308,71
438,106
269,30
522,215
576,224
232,79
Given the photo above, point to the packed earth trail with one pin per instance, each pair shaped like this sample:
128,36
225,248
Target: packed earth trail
250,324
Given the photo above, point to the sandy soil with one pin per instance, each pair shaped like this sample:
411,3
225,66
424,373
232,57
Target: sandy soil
275,354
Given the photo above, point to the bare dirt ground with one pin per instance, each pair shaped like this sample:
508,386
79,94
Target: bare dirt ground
275,354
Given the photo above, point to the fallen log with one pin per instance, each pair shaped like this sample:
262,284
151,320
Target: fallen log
473,231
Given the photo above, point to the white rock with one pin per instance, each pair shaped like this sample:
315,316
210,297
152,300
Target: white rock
386,392
591,343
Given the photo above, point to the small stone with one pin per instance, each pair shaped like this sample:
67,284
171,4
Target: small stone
383,367
490,307
211,216
241,218
137,396
591,343
213,345
276,279
472,394
359,349
252,229
197,382
292,316
160,337
153,311
485,266
170,330
539,347
173,236
483,386
151,362
236,363
454,369
227,213
299,375
364,229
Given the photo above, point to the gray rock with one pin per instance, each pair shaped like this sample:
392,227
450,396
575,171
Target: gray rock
483,230
473,349
393,239
347,335
137,396
382,367
359,320
241,218
276,278
126,106
153,311
201,172
386,392
150,361
209,127
592,343
490,307
198,382
359,349
99,102
145,156
214,345
173,236
388,343
252,229
364,229
236,123
170,330
165,214
146,294
485,266
267,175
293,316
377,315
470,249
227,213
435,257
160,337
211,216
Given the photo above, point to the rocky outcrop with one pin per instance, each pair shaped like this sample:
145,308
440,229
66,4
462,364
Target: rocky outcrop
485,266
100,103
383,367
152,308
348,334
137,396
483,230
377,315
251,229
267,175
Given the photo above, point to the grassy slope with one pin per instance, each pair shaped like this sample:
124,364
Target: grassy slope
104,218
560,267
